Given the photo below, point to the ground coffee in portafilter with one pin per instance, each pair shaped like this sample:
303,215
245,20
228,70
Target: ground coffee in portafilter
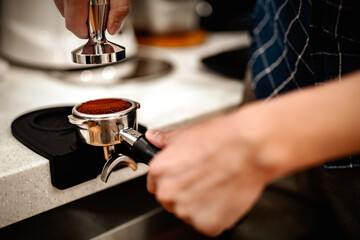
104,106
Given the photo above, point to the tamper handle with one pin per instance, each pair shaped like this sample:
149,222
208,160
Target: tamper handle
98,50
98,16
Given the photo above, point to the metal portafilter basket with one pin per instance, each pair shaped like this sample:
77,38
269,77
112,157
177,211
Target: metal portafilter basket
109,129
98,50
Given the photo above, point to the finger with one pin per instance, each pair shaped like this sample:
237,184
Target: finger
169,206
159,172
60,5
158,138
155,137
76,15
207,219
173,161
118,11
172,184
150,183
151,186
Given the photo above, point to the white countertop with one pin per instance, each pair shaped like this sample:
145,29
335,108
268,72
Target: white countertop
188,92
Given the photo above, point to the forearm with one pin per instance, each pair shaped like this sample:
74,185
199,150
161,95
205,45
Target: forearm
308,127
234,156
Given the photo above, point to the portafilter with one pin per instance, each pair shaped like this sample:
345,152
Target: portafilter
108,128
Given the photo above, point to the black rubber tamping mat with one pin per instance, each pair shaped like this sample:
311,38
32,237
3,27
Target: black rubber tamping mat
49,133
230,63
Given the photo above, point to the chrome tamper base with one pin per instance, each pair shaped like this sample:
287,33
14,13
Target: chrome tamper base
98,53
98,50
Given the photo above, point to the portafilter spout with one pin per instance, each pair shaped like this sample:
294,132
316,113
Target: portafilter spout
98,50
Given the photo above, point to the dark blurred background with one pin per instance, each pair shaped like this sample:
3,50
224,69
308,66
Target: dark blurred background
231,15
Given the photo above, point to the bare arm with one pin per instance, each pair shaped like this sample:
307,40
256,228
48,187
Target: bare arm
314,125
212,173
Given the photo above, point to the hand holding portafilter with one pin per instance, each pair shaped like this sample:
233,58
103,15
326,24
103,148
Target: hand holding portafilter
98,50
107,128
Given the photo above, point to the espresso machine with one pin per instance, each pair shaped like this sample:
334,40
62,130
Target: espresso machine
107,129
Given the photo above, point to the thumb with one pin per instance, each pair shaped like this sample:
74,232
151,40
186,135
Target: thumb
158,138
118,11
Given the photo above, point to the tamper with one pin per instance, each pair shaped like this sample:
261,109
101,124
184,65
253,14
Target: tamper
98,50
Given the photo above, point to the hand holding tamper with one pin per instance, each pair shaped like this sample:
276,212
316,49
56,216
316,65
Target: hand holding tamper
98,50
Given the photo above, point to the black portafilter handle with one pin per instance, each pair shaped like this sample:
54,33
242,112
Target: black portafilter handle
144,149
136,149
139,145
